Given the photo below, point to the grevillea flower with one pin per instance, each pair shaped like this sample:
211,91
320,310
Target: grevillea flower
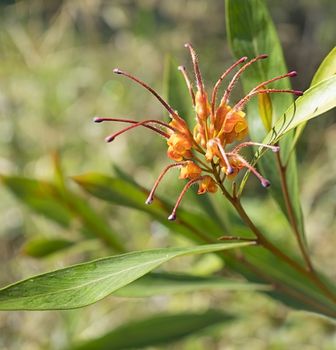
201,152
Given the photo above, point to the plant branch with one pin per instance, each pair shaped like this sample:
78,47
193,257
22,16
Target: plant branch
290,212
290,290
263,241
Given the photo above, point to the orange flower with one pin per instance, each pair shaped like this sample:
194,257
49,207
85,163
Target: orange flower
202,106
203,148
190,171
235,127
207,184
179,147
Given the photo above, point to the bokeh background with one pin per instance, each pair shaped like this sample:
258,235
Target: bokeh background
56,61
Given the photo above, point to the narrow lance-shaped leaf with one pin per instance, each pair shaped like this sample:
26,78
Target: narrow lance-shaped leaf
84,284
107,188
91,221
159,283
61,205
317,100
42,247
40,196
326,70
251,32
122,192
289,286
155,330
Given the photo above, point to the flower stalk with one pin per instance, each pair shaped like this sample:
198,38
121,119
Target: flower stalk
290,212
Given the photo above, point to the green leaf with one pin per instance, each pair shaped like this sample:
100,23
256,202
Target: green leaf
59,204
155,330
290,287
94,223
121,192
326,69
86,283
302,293
40,196
156,283
110,189
42,247
251,32
317,100
117,191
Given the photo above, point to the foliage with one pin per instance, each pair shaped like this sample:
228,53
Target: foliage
102,221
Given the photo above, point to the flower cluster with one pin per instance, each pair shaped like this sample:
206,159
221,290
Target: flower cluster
201,152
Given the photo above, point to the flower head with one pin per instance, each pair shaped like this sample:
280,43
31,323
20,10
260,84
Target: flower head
201,151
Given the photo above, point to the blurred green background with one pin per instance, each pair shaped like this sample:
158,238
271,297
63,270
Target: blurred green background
56,61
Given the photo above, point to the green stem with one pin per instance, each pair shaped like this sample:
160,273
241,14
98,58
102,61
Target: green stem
289,290
290,212
311,275
278,286
284,186
263,241
202,163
